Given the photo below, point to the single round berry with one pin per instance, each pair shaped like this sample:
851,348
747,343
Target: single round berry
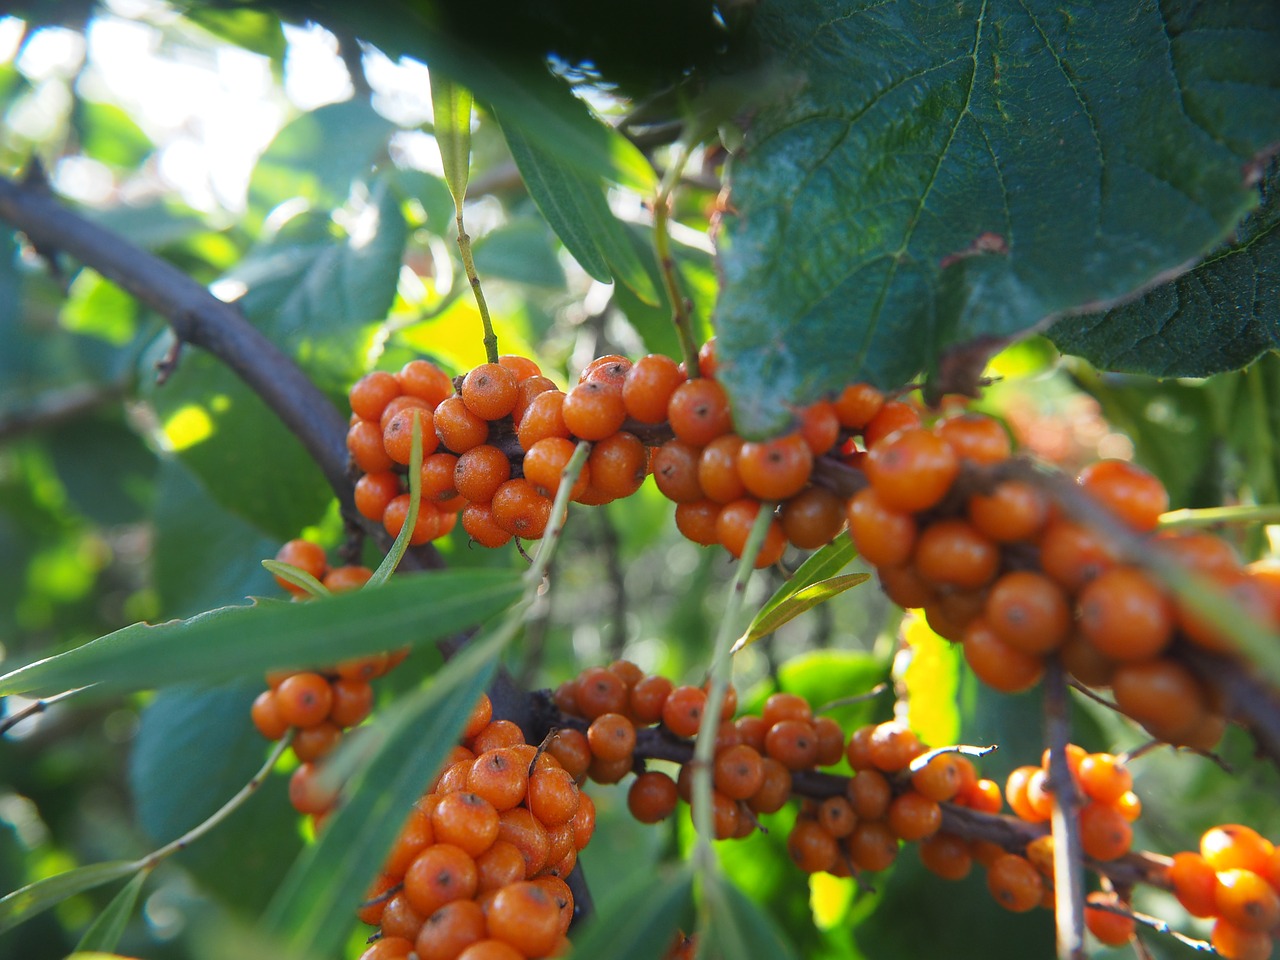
594,409
652,797
698,412
424,380
489,391
458,427
397,435
1015,883
304,699
648,386
1133,494
775,469
519,509
913,470
371,393
480,471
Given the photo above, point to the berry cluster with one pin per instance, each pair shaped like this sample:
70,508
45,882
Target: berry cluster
1001,569
477,871
318,705
1235,879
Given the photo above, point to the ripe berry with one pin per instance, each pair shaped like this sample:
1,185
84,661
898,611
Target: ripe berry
738,771
913,470
733,527
698,412
1028,611
1072,554
811,848
450,930
594,409
304,699
682,710
1015,883
478,522
857,404
1104,833
316,741
946,855
1110,928
371,393
1103,778
1162,695
775,469
952,553
793,743
522,368
425,528
520,510
388,948
1247,900
612,737
1234,846
374,491
601,691
489,391
553,796
306,556
544,417
1125,614
500,865
480,471
975,437
647,698
490,950
266,716
466,820
618,464
872,845
813,518
718,469
1014,510
1235,943
893,415
426,381
522,829
648,386
652,797
775,788
500,777
397,435
525,916
884,536
1134,495
458,427
913,817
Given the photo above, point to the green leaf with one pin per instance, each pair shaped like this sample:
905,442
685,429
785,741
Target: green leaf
830,676
110,135
34,898
235,641
1090,155
737,928
521,251
1219,316
314,908
640,919
451,105
317,156
813,583
105,931
251,29
573,203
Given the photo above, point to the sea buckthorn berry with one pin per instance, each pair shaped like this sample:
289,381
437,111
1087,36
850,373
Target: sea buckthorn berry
775,469
544,417
872,845
1104,833
458,427
882,535
307,793
600,691
1014,510
479,718
584,821
1113,929
426,526
812,848
1232,846
363,668
813,518
374,491
609,771
526,392
424,380
490,949
775,788
571,748
1104,778
304,699
450,930
648,387
1015,883
593,410
733,527
440,874
786,706
388,948
521,828
306,556
893,415
738,771
342,579
612,737
726,816
525,916
522,368
751,730
983,796
400,404
858,750
1198,551
946,855
499,776
998,664
364,443
1194,883
682,710
630,672
560,892
1162,695
466,820
520,510
952,553
913,817
1125,614
819,427
480,471
835,815
1015,792
372,392
400,919
266,716
939,779
697,521
1247,900
1039,794
912,471
618,464
893,746
708,363
905,587
1234,943
1133,494
698,411
718,469
1029,611
415,836
478,522
647,697
652,797
675,472
1251,601
830,741
975,437
544,465
316,741
857,404
793,743
500,865
611,368
489,391
437,478
375,897
1072,554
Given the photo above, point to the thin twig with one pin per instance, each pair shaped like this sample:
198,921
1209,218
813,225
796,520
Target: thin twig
32,709
1068,854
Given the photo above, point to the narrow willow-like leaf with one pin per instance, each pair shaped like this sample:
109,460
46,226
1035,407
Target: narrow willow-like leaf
639,920
25,902
452,107
737,928
235,641
297,576
813,583
315,907
105,931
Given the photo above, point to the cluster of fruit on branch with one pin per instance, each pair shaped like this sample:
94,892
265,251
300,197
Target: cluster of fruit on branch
1000,561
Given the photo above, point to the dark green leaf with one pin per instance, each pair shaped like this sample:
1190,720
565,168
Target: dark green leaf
520,251
829,676
640,919
738,929
1088,155
314,908
1219,316
34,898
110,135
451,105
235,641
105,468
105,931
319,155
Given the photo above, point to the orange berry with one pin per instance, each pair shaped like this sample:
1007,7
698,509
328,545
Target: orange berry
594,409
1232,846
439,874
733,527
893,415
813,518
946,855
525,916
738,771
775,469
1247,900
489,391
522,368
872,845
697,521
458,427
1072,554
1162,695
682,710
793,743
500,865
611,368
612,737
424,380
303,699
652,797
425,528
450,930
952,553
618,464
397,435
1028,611
1125,614
912,471
266,716
500,777
1015,883
490,950
975,437
1014,510
1133,494
364,443
466,820
857,404
1103,778
1113,929
374,491
388,948
698,411
478,522
812,849
913,817
1194,883
718,469
648,386
1234,943
306,556
520,510
1104,833
601,691
371,393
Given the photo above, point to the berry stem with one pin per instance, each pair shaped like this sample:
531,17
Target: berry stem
1068,855
473,278
231,806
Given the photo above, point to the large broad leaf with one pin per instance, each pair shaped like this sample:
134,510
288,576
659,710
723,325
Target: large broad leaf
314,908
944,173
235,641
1219,316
